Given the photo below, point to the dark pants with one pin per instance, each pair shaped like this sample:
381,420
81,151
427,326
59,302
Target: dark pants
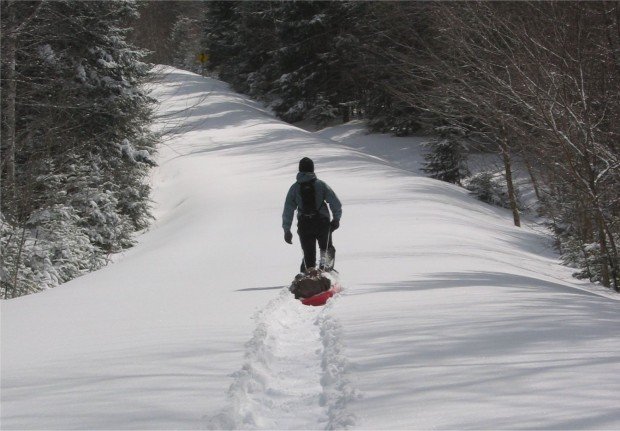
310,232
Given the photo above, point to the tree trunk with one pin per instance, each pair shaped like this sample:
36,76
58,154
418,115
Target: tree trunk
345,110
614,261
18,259
509,184
604,252
528,165
611,250
10,50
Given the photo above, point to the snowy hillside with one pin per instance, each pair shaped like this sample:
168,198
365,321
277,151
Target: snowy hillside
451,317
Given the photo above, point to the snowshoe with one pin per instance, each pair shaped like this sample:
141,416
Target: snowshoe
328,259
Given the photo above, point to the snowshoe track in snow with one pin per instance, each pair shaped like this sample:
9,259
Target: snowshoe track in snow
294,375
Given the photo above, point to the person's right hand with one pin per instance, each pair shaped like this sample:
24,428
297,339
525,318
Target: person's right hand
288,236
335,224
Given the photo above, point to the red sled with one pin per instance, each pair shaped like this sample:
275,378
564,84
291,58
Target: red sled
323,297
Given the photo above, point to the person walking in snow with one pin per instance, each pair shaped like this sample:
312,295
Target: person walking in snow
310,196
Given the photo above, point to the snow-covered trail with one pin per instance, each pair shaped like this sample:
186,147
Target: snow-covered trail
294,375
451,317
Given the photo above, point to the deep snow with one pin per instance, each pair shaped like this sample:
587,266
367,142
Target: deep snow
451,317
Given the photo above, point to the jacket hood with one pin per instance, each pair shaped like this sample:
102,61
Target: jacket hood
304,177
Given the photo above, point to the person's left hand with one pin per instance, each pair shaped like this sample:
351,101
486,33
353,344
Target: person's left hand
288,237
335,224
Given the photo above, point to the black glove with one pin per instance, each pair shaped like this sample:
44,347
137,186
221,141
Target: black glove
335,224
288,236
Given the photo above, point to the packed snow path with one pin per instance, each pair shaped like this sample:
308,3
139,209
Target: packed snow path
452,318
294,376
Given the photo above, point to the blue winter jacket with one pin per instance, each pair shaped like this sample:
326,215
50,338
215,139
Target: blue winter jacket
323,194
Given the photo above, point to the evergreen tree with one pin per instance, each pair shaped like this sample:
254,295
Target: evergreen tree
222,27
487,187
185,38
391,32
79,140
256,62
315,59
447,159
300,57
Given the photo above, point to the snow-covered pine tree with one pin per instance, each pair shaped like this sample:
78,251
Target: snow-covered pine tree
315,59
257,66
119,155
490,187
185,39
16,276
447,159
572,222
82,144
584,257
386,114
222,27
299,57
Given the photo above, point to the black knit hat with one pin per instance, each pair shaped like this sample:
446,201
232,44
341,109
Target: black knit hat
306,165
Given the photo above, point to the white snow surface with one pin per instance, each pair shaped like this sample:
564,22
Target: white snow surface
451,317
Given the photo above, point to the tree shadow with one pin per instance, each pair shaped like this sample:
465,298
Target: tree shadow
490,335
483,278
120,392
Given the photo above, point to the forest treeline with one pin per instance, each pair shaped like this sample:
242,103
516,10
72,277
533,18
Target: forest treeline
536,83
533,82
75,141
